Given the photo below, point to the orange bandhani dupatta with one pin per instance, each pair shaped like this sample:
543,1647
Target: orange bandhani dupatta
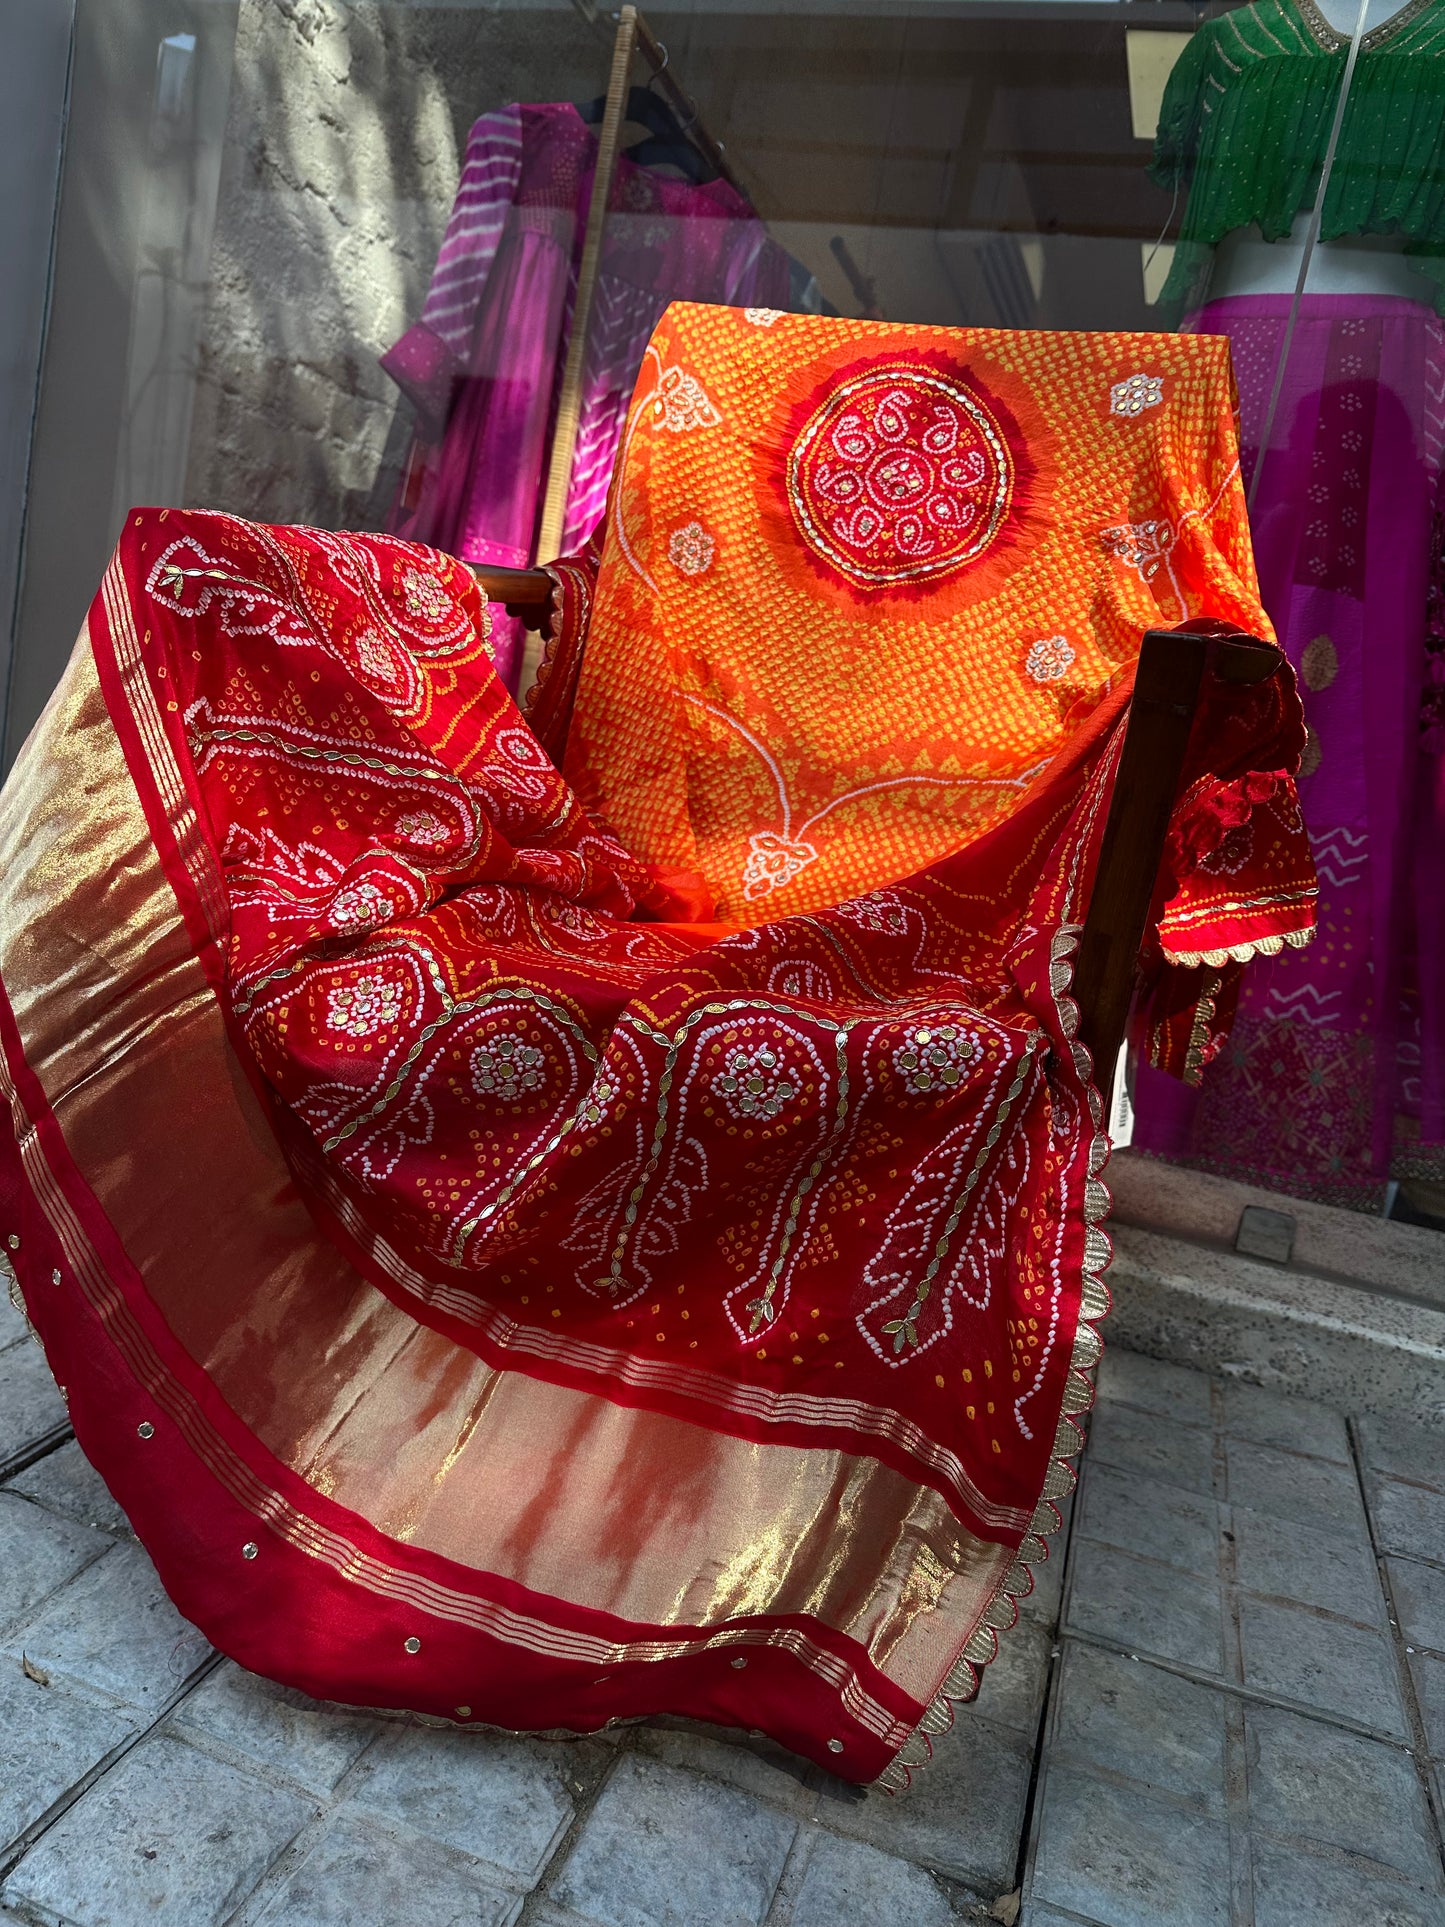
545,1245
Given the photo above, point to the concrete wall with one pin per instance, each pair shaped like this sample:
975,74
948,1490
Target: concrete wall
342,154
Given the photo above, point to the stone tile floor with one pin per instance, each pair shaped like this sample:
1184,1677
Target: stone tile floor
1225,1704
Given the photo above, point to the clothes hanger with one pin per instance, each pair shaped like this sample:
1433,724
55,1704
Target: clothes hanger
674,142
668,153
645,108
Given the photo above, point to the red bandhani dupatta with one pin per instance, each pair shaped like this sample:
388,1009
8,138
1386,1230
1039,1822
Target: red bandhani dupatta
487,1296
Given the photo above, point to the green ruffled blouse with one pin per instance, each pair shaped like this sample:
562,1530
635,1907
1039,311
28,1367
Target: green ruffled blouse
1247,116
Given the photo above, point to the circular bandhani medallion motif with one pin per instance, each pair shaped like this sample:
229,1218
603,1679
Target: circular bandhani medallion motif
900,475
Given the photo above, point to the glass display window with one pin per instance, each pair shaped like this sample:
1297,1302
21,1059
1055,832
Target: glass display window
324,263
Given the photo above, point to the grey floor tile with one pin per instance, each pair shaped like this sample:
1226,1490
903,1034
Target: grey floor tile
1132,1718
1419,1594
167,1838
963,1815
1126,1860
359,1876
1314,1781
848,1882
1011,1689
1146,1608
502,1799
1293,1423
753,1766
276,1727
1410,1519
39,1553
1289,1561
1307,1890
1293,1654
1307,1491
1429,1676
1181,1455
1407,1451
49,1739
1036,1915
666,1848
114,1629
1140,1514
30,1406
64,1481
1128,1378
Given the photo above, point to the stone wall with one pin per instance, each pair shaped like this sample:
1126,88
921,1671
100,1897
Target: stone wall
343,143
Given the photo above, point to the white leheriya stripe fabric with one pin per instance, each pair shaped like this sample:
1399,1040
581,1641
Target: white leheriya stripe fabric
491,175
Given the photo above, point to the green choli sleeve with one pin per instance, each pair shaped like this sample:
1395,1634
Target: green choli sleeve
1176,142
1245,125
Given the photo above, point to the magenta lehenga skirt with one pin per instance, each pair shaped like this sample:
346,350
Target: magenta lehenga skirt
1333,1079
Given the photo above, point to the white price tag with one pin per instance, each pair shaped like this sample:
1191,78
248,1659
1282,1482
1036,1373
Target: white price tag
1121,1103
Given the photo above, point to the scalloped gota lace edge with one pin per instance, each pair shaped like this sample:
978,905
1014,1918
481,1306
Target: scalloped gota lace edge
1240,952
1001,1614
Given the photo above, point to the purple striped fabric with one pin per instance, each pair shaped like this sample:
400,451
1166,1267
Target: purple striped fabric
483,362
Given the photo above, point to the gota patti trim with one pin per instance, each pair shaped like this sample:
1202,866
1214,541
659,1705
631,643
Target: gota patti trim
145,713
962,1682
559,574
1239,952
1204,1009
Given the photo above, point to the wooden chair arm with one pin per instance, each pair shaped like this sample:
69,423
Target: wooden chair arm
526,593
1171,672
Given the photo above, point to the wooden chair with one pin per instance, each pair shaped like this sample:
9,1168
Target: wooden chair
1173,665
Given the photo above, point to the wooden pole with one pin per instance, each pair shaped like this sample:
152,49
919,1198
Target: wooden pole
569,401
1167,684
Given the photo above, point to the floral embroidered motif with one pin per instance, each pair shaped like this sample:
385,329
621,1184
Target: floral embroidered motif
753,1084
691,549
361,906
375,655
877,911
762,317
1144,546
506,1068
420,826
773,860
1232,851
900,475
188,579
363,1006
1133,396
934,1058
424,595
680,402
386,666
1050,658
